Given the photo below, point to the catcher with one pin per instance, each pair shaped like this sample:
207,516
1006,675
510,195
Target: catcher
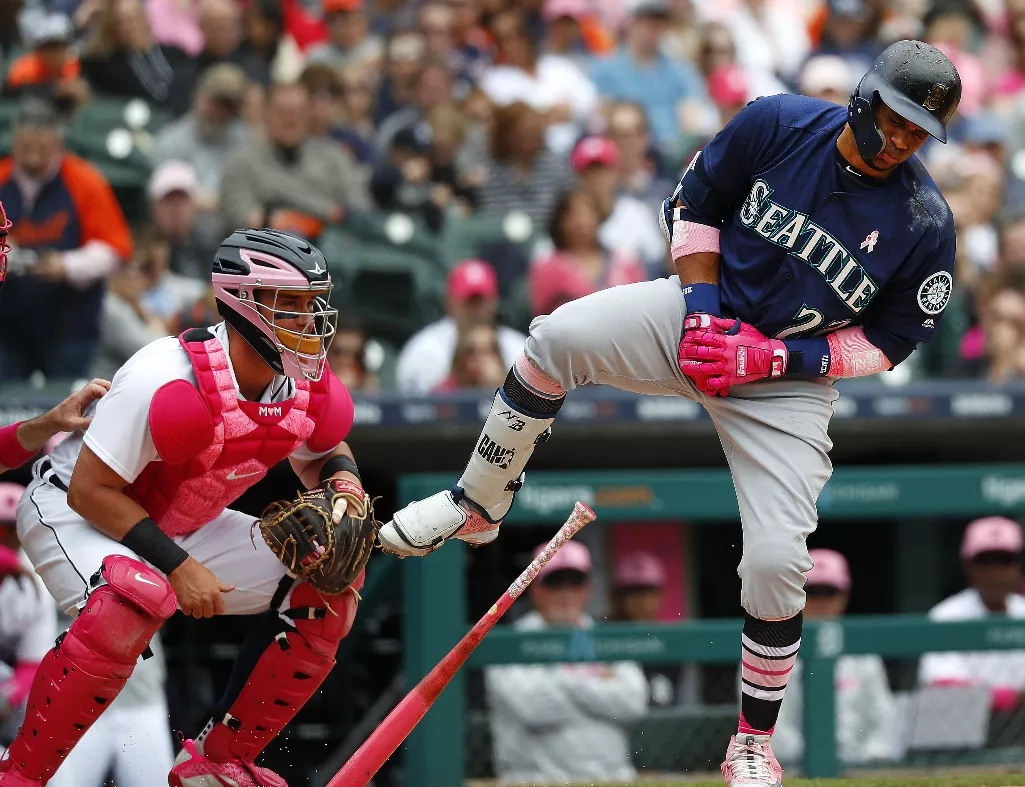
128,521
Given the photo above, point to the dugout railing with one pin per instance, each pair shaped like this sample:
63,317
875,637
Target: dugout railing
435,592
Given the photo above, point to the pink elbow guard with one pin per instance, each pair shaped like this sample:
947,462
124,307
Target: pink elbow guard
690,237
13,453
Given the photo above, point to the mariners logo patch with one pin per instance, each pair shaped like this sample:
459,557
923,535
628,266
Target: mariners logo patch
935,98
935,291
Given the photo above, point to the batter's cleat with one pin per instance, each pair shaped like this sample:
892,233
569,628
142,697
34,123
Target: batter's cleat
423,526
751,763
11,776
193,769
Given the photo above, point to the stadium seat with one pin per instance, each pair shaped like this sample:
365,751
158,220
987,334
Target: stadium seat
476,235
395,292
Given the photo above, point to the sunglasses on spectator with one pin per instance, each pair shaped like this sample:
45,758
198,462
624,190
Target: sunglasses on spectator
565,578
822,591
997,558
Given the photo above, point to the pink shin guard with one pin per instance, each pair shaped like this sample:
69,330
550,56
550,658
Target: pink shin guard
286,676
87,669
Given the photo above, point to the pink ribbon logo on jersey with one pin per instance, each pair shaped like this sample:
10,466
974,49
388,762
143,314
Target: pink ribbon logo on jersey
870,241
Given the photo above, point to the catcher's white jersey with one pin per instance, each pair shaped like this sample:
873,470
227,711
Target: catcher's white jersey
119,433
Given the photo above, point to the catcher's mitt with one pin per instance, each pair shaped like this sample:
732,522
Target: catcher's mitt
329,555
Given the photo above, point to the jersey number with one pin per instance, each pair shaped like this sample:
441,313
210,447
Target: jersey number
808,319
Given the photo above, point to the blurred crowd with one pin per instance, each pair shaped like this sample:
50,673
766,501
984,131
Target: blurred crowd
559,723
576,116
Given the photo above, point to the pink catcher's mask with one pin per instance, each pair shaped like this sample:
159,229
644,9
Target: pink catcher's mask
279,302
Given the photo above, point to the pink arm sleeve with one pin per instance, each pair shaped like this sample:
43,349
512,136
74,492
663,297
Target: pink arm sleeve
853,355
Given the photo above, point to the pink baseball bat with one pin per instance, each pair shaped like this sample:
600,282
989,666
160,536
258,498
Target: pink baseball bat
397,725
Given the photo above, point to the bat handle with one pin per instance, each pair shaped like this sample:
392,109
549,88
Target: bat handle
581,516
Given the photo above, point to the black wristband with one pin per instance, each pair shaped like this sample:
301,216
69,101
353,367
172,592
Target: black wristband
153,545
339,464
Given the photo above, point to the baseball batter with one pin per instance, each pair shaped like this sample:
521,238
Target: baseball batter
128,521
810,244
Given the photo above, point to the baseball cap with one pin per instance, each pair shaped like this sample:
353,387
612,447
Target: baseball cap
556,9
172,176
826,72
640,569
649,8
594,150
991,534
224,81
342,6
849,9
472,278
10,495
416,137
984,128
37,112
728,85
409,46
830,569
48,29
572,556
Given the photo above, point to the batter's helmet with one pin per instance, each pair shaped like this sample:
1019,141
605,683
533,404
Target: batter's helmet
915,80
252,260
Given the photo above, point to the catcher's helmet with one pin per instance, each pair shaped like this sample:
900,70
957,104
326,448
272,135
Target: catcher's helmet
268,260
916,81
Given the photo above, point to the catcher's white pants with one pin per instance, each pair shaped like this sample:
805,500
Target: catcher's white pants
133,742
66,551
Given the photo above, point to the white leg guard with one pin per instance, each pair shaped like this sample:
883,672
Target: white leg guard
492,476
484,493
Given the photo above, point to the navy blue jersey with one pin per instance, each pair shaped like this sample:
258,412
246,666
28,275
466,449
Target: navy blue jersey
809,246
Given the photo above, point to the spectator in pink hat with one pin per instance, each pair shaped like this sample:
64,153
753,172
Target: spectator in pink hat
563,722
866,711
628,225
638,586
563,19
729,88
472,297
991,551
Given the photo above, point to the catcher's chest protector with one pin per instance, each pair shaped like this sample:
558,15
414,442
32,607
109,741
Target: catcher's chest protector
214,446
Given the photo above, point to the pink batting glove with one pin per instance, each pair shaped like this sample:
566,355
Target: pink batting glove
728,352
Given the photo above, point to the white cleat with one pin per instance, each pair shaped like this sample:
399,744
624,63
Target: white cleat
424,525
751,763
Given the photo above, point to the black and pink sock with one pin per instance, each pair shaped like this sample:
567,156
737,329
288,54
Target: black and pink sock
769,650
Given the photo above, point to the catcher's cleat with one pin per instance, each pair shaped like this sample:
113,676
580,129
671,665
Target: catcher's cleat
424,525
193,769
751,763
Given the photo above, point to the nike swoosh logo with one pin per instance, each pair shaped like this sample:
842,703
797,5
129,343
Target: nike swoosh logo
232,477
139,577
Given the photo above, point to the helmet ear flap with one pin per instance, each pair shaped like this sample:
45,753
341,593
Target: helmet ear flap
861,116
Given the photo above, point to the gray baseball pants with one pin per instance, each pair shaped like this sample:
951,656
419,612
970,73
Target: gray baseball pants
774,433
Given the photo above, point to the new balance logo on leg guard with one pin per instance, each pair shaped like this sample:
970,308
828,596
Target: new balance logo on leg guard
512,420
495,454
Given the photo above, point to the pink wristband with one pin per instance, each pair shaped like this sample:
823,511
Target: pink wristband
12,453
